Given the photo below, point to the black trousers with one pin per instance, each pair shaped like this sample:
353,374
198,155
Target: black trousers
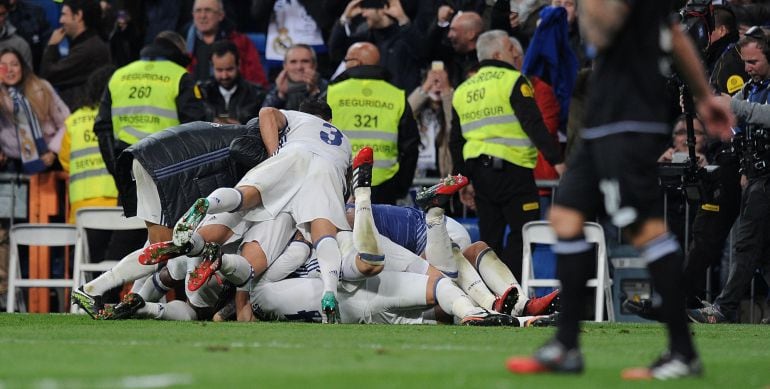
710,230
750,250
506,196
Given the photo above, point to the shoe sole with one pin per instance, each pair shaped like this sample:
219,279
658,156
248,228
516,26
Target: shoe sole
158,252
184,228
200,276
82,301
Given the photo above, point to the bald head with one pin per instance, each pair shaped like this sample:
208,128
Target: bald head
362,53
464,30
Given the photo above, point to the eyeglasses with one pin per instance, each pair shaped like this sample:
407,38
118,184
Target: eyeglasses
756,32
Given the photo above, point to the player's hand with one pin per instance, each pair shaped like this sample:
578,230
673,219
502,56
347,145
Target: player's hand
468,197
717,116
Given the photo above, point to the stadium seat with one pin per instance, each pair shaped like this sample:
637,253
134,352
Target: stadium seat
98,218
541,232
48,235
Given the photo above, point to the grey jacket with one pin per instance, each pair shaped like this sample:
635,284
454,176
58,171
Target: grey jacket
9,38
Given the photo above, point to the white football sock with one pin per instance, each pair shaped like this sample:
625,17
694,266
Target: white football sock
197,242
153,289
438,250
236,269
174,310
470,281
364,230
329,260
453,300
128,269
496,274
224,200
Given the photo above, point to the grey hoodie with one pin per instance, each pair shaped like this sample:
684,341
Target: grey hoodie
9,39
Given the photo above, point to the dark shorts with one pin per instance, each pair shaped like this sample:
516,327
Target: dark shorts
615,175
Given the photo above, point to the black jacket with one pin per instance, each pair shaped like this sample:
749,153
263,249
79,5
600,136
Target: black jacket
729,74
244,103
186,162
408,141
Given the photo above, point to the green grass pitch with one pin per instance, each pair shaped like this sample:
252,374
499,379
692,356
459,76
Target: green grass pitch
66,351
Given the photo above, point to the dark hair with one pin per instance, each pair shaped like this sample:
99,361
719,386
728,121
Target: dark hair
316,107
724,16
92,11
224,46
6,4
95,85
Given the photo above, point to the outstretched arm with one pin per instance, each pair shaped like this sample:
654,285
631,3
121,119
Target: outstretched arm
271,122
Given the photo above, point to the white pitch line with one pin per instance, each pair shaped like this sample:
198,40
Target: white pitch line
128,382
255,345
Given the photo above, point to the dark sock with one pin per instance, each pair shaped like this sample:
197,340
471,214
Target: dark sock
575,264
666,272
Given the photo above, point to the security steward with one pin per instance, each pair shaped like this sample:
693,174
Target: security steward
752,235
147,96
496,132
372,112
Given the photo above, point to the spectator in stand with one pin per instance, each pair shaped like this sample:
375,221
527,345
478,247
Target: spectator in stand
298,81
432,107
209,25
9,37
32,25
87,51
575,40
228,97
549,109
125,40
400,43
518,18
31,117
458,50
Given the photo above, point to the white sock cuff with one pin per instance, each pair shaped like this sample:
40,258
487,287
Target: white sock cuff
224,200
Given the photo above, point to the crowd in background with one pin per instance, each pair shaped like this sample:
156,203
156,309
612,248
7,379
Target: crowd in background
244,55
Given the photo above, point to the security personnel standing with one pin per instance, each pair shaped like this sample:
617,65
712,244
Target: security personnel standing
90,182
496,132
752,109
372,112
147,96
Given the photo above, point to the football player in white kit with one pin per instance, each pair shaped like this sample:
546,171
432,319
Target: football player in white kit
305,176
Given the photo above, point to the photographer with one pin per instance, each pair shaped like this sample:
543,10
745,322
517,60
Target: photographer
751,108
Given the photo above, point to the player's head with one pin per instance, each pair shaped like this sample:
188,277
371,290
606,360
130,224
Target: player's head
317,107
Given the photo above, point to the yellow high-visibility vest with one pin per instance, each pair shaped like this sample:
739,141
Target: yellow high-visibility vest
368,112
89,177
488,122
144,98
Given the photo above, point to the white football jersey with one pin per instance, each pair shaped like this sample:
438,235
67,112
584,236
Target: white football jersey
309,132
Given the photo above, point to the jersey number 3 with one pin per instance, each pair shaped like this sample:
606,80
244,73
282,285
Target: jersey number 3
331,135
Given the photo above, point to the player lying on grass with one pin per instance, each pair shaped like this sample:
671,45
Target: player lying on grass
474,267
